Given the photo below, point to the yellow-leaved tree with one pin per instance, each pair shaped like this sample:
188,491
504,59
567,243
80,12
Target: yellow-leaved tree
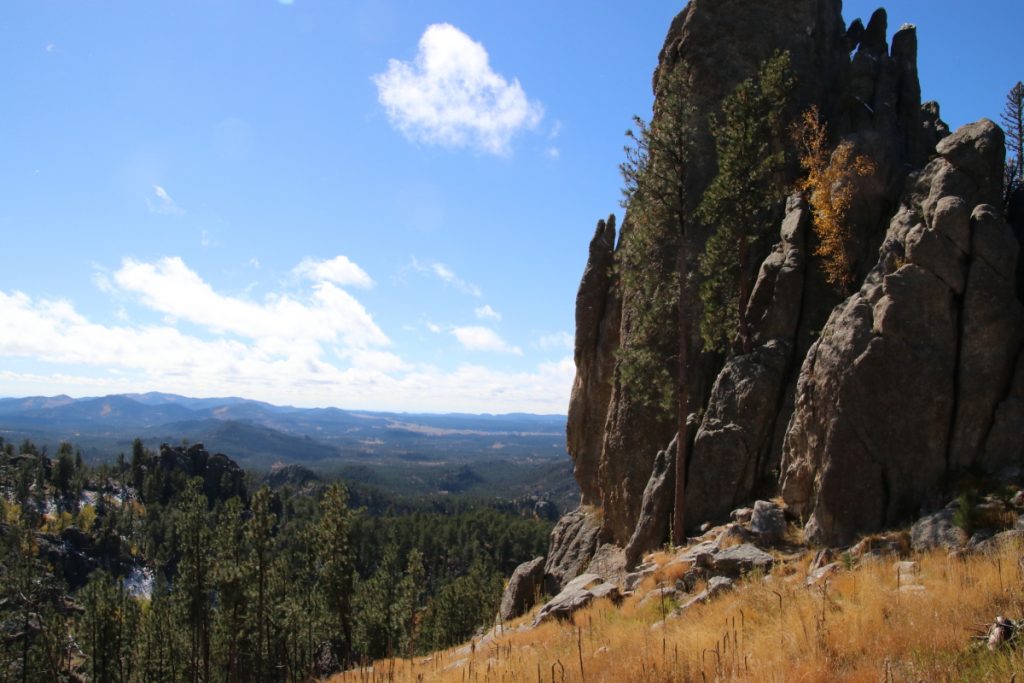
829,187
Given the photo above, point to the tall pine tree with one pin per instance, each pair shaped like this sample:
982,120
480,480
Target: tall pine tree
740,202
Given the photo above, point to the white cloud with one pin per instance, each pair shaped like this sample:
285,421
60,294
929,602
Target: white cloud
449,95
558,340
485,312
433,327
329,315
255,263
339,270
447,276
476,338
162,203
138,357
553,152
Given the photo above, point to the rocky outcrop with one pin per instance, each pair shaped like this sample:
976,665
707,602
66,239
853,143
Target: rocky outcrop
903,383
744,403
522,590
598,310
576,595
574,540
857,407
222,477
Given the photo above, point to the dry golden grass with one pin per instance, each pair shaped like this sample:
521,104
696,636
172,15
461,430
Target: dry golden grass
858,627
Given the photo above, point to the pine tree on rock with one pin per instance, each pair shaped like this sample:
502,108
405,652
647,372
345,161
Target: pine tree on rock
653,263
739,202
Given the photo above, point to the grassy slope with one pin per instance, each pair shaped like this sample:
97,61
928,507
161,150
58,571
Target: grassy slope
857,628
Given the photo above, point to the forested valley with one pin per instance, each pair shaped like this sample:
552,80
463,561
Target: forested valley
180,566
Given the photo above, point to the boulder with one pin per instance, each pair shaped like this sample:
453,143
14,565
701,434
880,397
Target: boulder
822,574
768,521
742,559
633,579
741,515
574,540
576,595
716,586
523,589
610,562
734,534
937,530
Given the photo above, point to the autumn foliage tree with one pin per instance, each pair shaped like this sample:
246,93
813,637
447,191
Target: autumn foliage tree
828,185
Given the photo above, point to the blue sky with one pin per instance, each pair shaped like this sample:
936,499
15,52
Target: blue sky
379,204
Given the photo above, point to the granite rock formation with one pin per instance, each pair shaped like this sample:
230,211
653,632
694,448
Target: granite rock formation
856,407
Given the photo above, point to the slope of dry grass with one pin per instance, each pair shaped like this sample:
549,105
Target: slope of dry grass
859,626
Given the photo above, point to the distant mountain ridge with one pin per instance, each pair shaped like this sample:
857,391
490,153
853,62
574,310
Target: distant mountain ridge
260,434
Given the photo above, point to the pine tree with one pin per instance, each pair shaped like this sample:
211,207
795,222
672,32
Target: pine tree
337,567
192,582
230,577
380,618
1012,119
653,263
109,628
260,539
739,202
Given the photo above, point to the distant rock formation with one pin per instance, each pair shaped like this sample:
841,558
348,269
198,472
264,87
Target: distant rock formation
222,477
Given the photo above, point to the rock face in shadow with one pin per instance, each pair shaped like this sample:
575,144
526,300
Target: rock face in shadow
909,373
656,511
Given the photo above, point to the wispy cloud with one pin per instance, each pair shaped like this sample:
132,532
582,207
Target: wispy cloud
161,202
449,95
476,338
340,270
446,275
329,314
485,312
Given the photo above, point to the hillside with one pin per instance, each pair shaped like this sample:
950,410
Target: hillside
882,619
